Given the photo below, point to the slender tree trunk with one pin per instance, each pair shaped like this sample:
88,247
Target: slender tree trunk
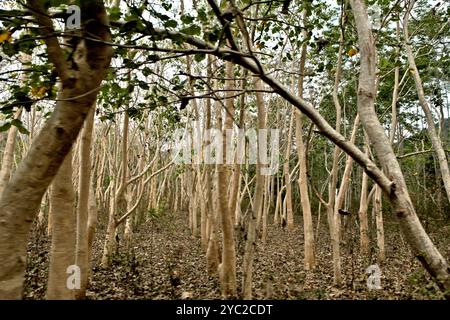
118,205
212,253
62,252
227,269
434,136
82,248
252,224
236,179
8,154
308,228
377,208
332,215
92,220
287,178
363,207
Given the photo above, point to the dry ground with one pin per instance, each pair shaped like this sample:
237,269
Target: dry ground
164,246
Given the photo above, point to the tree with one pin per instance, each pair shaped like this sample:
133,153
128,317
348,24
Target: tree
62,254
50,147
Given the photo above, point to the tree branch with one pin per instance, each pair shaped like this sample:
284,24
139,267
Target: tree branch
55,53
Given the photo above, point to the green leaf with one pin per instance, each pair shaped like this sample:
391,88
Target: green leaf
199,57
170,24
114,13
19,125
9,49
143,85
146,71
201,15
192,30
153,58
129,26
163,99
5,127
187,19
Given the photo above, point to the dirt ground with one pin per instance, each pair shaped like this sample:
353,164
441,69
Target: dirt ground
163,248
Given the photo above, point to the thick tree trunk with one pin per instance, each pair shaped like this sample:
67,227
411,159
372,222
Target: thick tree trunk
22,196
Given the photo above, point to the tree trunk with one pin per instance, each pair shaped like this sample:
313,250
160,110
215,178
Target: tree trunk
434,137
259,191
362,212
62,252
308,228
82,248
22,196
332,216
92,221
212,252
287,178
118,202
227,269
377,208
416,236
8,154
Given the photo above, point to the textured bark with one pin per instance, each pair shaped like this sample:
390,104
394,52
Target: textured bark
362,212
8,154
22,196
395,90
82,249
421,244
62,252
227,269
308,229
432,132
92,221
287,179
212,252
332,215
118,203
377,208
250,244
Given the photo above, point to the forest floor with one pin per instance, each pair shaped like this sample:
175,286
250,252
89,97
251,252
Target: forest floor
164,246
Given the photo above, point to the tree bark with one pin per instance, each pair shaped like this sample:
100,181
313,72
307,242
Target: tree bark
118,202
377,208
8,154
308,229
421,244
50,147
250,244
82,248
362,212
227,269
62,252
434,136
